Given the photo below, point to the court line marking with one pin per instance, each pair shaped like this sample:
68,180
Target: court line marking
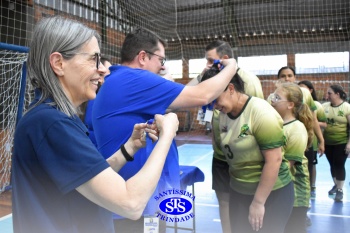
209,205
217,206
201,158
329,215
314,214
6,217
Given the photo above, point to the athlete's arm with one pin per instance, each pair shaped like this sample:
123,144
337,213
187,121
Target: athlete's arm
207,91
129,198
269,175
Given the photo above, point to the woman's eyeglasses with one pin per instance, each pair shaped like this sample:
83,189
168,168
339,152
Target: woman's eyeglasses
276,98
95,56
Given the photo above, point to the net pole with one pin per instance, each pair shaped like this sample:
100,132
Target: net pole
21,93
12,47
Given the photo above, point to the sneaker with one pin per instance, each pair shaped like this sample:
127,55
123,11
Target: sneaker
333,190
313,192
308,221
339,195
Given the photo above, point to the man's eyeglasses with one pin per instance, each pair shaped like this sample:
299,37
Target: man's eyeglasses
162,62
95,56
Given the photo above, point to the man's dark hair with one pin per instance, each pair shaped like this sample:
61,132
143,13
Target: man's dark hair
138,40
222,48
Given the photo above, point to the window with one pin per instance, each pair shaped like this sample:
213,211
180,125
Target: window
263,65
175,68
322,62
196,67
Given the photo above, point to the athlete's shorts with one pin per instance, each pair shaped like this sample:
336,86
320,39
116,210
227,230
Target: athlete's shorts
315,161
220,176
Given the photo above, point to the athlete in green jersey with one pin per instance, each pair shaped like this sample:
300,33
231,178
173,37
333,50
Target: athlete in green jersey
220,169
287,74
298,132
251,137
336,136
321,117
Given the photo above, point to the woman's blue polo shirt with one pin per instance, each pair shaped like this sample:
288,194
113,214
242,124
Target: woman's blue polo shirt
52,157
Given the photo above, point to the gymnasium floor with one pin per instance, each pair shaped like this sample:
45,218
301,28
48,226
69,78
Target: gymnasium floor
326,215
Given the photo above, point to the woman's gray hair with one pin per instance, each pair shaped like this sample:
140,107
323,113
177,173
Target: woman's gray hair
55,34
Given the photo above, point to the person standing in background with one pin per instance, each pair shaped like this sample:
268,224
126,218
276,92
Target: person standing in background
336,136
322,121
287,74
298,132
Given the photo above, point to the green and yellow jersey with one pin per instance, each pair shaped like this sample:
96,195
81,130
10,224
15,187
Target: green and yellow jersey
307,99
321,117
294,149
252,87
337,129
258,127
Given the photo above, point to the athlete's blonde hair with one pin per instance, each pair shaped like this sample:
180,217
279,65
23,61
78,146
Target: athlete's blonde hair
301,111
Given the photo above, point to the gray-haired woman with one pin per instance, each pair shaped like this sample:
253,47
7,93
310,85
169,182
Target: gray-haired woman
60,181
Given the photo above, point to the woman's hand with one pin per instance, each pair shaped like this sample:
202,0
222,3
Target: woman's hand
256,215
167,125
138,136
347,148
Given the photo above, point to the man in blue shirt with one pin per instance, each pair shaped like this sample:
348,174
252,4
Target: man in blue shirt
134,92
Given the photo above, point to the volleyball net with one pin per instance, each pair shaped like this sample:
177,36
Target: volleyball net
12,101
